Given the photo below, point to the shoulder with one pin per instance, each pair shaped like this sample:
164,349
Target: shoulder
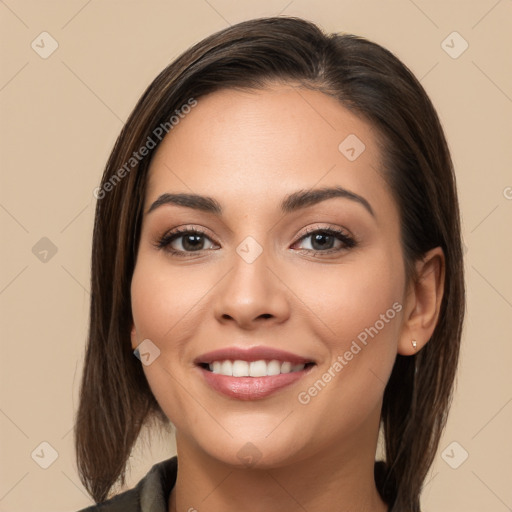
128,501
151,494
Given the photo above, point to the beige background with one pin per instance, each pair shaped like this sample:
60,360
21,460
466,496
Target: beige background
59,119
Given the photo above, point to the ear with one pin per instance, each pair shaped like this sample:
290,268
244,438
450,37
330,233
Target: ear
423,302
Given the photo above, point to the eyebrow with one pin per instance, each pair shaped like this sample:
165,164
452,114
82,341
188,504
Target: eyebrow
291,203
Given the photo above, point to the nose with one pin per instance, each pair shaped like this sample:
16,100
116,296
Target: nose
252,295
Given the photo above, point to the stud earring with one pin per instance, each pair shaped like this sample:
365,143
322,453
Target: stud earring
414,344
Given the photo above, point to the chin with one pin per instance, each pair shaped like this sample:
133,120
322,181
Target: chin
256,452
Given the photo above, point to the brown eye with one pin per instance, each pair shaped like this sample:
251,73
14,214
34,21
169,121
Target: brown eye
323,240
183,241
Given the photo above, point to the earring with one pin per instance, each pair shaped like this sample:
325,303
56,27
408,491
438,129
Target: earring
414,344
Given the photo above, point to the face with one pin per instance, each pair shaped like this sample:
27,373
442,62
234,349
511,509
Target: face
318,283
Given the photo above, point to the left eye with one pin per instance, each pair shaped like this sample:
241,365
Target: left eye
322,240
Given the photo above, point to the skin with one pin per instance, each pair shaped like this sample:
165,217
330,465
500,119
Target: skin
249,149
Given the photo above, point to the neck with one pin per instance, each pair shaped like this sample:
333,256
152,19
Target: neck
339,479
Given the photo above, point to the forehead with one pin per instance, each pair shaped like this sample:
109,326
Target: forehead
250,147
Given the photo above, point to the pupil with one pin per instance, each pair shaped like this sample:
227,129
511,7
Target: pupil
193,245
318,236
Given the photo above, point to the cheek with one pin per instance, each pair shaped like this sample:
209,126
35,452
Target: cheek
359,312
163,304
161,299
349,298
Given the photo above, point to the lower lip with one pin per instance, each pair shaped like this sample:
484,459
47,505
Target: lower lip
251,388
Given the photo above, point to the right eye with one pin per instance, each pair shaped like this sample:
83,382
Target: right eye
189,240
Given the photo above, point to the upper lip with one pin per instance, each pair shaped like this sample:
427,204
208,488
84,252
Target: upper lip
250,354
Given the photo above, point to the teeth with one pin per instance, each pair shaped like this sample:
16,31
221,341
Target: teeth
286,367
273,367
226,368
240,369
259,368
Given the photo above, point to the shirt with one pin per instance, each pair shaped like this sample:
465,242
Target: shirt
152,493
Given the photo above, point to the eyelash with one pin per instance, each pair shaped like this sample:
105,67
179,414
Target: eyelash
165,241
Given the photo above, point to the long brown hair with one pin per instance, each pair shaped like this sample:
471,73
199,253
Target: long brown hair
115,398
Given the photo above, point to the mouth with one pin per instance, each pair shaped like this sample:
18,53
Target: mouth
251,373
259,368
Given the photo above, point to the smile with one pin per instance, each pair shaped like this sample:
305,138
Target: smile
260,368
251,373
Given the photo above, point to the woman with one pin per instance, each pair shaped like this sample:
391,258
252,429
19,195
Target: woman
277,240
